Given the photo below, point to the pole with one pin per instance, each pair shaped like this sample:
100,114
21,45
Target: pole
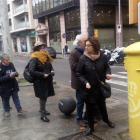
4,21
119,22
90,18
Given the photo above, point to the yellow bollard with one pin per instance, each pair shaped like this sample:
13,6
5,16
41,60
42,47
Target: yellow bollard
132,65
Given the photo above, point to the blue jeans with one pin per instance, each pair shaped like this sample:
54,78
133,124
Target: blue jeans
16,101
79,107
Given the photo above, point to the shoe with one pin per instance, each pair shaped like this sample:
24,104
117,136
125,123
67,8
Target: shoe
89,131
7,114
22,112
110,124
10,107
82,123
45,119
45,112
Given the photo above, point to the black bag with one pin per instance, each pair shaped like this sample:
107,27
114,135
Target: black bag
27,75
105,88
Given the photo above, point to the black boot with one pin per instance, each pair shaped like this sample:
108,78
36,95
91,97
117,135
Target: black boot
110,124
89,131
44,118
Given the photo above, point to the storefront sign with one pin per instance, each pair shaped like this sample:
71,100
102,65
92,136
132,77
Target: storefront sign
22,34
64,35
95,32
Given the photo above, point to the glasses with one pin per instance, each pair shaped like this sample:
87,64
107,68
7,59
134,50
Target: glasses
88,45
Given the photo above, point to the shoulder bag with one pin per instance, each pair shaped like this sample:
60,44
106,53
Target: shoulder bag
27,75
105,88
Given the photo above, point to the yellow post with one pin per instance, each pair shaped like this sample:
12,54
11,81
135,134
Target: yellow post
132,65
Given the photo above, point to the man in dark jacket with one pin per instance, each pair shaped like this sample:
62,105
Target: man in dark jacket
74,57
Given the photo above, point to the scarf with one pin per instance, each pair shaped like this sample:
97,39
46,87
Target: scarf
79,48
42,56
92,56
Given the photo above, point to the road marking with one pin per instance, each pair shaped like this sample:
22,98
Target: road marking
123,72
119,76
21,61
119,89
116,82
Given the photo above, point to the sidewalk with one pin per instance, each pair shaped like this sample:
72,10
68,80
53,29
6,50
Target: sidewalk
30,127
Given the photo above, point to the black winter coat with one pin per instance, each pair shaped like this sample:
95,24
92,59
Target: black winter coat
85,73
73,61
5,81
43,87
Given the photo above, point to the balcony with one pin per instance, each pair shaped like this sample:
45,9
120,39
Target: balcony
55,6
110,2
22,25
9,14
20,9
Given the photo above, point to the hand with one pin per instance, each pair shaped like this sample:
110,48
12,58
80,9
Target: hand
108,76
46,75
16,74
52,72
12,75
88,86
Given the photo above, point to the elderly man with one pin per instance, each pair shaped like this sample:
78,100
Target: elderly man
74,57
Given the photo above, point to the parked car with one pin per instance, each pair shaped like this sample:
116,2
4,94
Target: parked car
52,51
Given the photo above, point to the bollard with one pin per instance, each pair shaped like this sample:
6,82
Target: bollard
20,55
132,65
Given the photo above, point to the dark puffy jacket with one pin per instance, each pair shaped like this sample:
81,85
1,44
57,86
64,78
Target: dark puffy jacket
5,81
85,73
43,87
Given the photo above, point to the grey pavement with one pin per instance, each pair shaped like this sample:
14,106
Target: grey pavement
30,127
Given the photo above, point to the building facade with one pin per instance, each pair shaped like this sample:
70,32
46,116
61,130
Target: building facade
21,25
65,19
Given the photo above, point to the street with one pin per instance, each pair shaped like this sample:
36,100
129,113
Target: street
63,75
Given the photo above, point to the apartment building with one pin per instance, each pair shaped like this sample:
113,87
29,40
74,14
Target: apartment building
21,25
65,19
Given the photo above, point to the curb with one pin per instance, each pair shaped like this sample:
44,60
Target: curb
30,84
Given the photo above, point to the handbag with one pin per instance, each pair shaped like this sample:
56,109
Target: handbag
105,88
27,74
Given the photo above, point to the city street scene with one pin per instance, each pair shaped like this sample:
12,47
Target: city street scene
69,70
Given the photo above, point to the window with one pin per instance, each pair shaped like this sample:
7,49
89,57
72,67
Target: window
44,5
125,15
47,5
54,23
103,15
72,18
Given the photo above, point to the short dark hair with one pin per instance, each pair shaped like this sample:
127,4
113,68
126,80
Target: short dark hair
36,48
95,43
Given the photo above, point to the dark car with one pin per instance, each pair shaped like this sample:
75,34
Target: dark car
52,51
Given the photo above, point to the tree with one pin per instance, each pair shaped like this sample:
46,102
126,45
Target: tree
4,25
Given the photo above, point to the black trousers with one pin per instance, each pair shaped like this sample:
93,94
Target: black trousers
90,111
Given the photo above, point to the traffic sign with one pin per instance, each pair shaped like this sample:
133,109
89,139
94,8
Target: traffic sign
119,28
64,35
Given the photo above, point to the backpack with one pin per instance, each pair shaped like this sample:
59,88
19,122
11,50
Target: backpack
27,75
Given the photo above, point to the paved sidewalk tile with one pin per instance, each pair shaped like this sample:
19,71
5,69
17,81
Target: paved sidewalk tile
30,127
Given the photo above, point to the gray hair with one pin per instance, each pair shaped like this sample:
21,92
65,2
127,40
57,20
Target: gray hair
3,56
77,39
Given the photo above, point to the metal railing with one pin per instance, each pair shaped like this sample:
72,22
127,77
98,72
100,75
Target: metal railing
20,8
22,25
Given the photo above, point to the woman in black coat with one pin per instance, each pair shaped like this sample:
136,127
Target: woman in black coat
93,57
8,85
41,69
